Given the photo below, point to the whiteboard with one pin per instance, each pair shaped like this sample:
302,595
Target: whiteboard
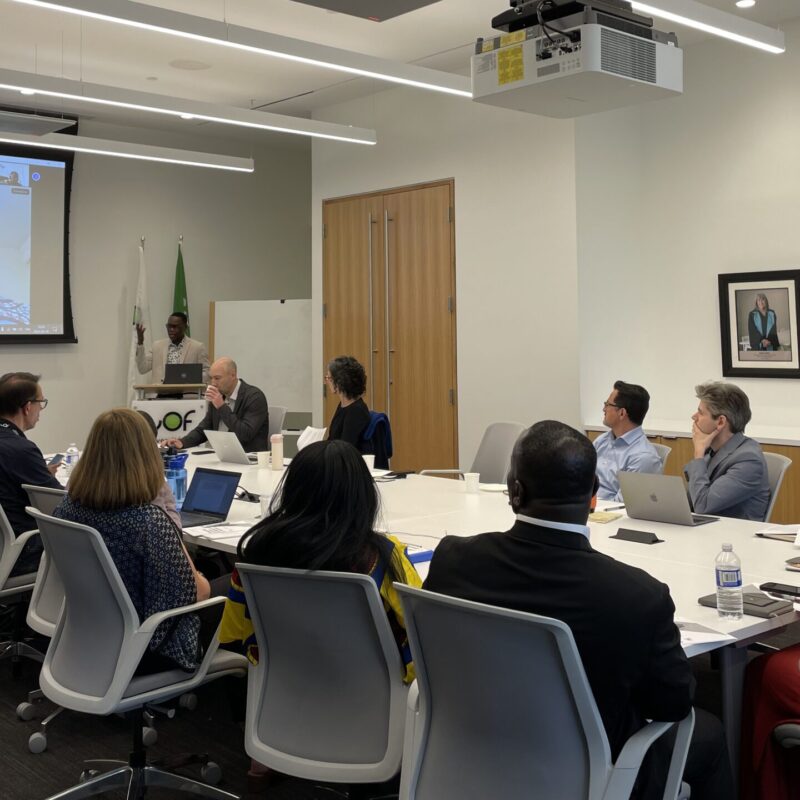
270,341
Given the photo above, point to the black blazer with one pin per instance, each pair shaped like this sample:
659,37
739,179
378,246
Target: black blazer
621,617
249,420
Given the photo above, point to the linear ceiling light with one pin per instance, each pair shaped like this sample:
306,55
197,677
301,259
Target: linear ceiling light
212,31
712,20
141,152
79,91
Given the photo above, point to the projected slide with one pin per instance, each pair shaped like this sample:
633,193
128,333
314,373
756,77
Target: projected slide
32,263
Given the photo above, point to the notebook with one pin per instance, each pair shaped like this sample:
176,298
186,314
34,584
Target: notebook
183,373
658,498
209,497
228,447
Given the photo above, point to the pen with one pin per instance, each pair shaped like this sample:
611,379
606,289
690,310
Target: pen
614,508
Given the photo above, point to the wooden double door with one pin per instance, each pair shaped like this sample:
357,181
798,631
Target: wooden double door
389,301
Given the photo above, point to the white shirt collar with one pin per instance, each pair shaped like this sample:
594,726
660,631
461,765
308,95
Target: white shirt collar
235,393
558,526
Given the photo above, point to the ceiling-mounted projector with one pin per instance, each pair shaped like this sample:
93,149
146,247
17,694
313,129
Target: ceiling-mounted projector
566,58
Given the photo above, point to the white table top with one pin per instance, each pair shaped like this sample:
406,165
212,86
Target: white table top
421,510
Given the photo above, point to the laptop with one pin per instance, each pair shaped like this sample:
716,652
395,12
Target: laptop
228,447
209,498
183,373
658,498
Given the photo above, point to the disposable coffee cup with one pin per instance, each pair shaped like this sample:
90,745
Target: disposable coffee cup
472,482
370,462
263,458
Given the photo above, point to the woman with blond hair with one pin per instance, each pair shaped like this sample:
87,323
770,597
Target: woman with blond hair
111,489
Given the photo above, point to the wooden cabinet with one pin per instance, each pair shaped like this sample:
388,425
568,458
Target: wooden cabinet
389,301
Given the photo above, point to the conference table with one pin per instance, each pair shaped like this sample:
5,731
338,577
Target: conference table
420,510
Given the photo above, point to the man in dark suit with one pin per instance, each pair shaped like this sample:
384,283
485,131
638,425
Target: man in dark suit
233,405
621,617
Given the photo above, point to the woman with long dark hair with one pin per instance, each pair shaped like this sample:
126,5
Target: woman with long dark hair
323,517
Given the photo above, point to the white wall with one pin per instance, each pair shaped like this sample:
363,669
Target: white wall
245,237
515,243
671,194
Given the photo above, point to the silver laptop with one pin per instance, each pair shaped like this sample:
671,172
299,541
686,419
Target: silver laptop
658,498
228,447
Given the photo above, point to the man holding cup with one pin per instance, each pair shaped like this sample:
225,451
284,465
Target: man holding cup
233,405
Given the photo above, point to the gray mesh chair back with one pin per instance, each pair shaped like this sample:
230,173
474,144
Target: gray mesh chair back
327,699
663,453
276,416
44,498
494,452
82,658
504,708
11,547
48,593
776,469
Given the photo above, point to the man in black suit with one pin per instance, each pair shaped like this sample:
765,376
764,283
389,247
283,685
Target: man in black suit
233,405
621,617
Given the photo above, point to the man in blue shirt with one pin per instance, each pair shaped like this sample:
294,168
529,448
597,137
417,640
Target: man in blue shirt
624,448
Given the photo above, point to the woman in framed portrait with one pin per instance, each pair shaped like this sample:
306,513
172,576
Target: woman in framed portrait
762,325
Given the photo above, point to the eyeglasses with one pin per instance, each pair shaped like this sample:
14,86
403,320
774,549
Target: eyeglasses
42,402
606,405
327,378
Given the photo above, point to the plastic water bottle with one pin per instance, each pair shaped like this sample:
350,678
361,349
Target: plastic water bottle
276,442
729,583
71,458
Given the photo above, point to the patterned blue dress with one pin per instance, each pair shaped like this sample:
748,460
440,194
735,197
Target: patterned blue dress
146,549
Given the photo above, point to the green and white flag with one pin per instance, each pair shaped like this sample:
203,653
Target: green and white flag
180,299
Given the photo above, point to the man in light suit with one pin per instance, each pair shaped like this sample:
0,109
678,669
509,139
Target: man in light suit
233,405
728,475
621,617
177,349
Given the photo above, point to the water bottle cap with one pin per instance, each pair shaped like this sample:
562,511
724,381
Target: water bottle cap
727,547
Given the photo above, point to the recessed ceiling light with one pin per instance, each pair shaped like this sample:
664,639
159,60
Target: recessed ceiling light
186,116
26,91
745,3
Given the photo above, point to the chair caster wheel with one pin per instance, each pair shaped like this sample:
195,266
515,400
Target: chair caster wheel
88,774
26,711
37,742
211,773
188,701
149,736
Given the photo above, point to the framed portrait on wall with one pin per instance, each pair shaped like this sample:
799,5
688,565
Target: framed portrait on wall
758,324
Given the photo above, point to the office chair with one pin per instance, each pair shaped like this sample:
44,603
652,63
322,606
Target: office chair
493,456
95,650
533,732
377,439
663,453
14,590
276,416
327,699
43,611
776,469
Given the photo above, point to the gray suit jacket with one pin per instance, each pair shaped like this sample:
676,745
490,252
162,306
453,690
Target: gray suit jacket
733,482
249,420
194,352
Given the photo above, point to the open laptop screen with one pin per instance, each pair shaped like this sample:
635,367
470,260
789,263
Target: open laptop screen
211,491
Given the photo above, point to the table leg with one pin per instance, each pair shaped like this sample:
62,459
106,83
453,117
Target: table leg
732,664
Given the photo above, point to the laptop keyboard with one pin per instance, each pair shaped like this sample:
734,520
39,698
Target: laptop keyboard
192,518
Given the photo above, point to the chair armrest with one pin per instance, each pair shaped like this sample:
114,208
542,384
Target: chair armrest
787,735
442,472
16,548
154,620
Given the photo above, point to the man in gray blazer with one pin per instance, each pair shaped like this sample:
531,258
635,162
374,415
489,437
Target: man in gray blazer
177,349
728,475
233,405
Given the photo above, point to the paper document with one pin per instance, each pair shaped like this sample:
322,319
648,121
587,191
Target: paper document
310,435
225,530
692,633
603,516
783,533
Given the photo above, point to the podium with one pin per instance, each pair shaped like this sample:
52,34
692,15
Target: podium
174,416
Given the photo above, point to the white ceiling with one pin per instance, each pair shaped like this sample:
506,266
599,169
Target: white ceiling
440,36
